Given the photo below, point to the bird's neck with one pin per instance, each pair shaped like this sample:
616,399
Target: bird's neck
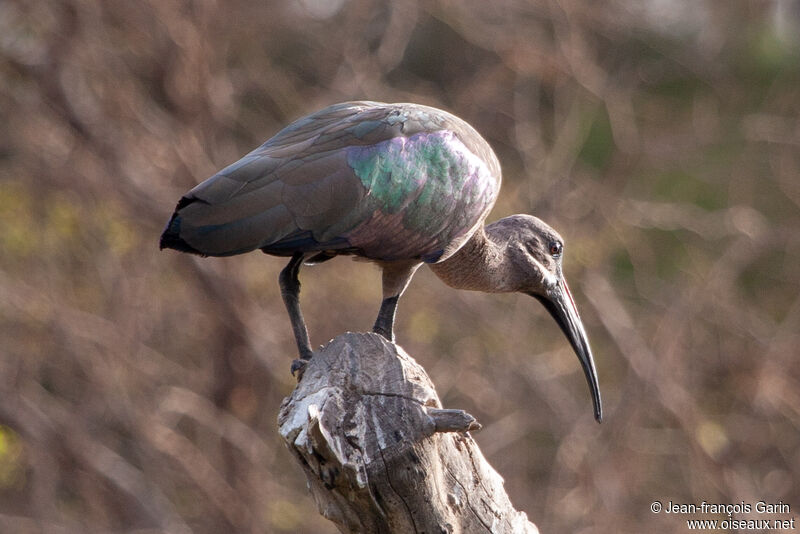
479,265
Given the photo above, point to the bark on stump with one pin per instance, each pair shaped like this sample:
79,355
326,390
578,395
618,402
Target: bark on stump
379,452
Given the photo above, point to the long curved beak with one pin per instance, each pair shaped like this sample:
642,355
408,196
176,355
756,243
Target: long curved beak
561,306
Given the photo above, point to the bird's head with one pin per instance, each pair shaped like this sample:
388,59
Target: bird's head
536,252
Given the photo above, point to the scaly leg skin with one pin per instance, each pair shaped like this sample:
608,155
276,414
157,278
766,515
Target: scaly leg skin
396,276
290,291
384,324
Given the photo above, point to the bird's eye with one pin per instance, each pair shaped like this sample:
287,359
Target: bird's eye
556,248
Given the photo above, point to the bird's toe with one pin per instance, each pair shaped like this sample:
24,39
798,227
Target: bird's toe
298,368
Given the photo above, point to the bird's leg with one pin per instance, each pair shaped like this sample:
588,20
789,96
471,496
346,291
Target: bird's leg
290,291
396,276
384,324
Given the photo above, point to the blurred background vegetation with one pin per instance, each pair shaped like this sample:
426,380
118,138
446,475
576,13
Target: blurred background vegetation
139,389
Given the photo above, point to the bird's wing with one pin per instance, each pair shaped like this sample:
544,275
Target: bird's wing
337,179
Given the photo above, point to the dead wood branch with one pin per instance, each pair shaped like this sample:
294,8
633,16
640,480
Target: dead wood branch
379,452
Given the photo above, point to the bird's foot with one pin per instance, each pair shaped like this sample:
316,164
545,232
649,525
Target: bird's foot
299,367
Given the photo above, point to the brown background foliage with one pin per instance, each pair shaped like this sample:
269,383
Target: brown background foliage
139,389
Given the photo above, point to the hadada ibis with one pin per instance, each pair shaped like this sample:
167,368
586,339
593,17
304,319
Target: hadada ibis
398,184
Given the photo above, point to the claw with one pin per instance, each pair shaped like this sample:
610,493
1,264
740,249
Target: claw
299,368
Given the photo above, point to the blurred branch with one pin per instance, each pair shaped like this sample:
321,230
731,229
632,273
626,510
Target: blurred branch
183,402
199,469
709,225
44,420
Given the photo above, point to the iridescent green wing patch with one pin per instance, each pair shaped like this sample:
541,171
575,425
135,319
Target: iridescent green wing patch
431,182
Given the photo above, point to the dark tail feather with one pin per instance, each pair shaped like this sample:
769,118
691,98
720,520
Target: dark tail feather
171,237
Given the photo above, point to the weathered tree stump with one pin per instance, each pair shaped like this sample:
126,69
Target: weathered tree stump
379,452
